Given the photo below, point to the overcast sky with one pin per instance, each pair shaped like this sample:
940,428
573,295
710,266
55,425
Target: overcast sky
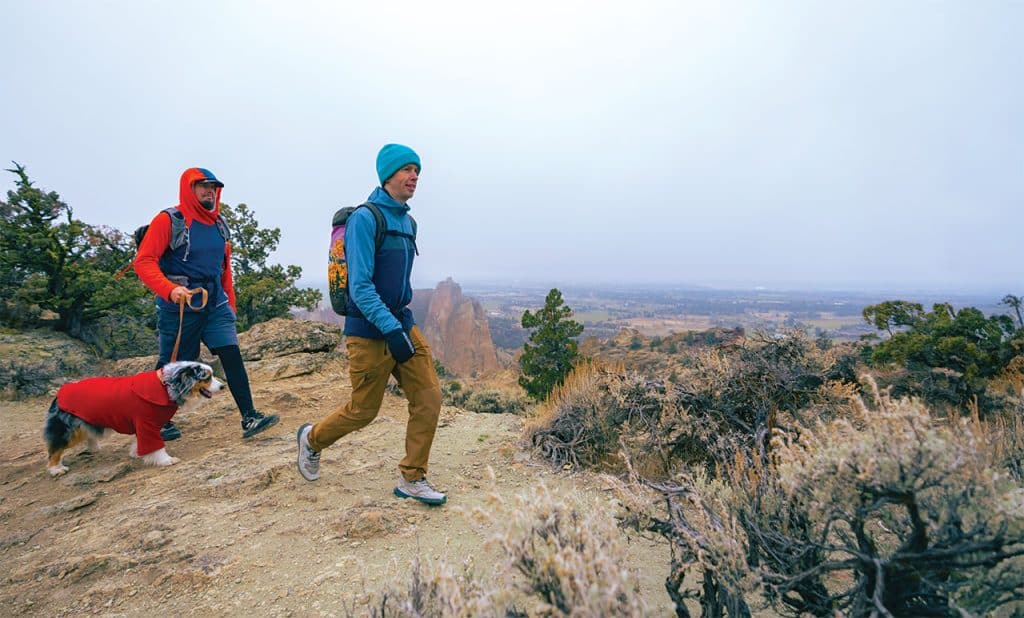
860,145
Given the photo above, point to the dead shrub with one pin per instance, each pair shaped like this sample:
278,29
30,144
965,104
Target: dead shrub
561,556
487,401
566,553
728,401
887,511
579,425
438,591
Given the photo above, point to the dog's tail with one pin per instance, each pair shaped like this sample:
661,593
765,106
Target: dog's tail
60,428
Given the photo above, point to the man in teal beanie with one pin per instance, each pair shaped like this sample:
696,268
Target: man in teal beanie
381,336
393,157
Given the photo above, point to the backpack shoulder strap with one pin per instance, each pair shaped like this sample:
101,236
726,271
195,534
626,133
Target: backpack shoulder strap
222,227
382,225
179,232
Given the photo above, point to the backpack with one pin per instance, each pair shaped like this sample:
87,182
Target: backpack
337,266
179,234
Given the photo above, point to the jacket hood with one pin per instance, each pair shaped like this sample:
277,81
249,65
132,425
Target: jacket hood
187,202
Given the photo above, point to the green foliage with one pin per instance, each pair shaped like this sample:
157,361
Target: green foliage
52,262
551,351
893,314
263,292
950,355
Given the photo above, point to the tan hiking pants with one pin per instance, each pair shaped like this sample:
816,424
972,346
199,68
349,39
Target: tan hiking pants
370,364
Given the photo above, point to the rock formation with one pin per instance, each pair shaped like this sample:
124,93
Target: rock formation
37,362
456,327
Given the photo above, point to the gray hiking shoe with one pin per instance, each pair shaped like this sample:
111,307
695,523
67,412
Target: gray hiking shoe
309,460
419,490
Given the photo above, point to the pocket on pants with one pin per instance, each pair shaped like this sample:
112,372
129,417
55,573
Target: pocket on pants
366,360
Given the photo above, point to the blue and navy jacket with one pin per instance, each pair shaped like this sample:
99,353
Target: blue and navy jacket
379,283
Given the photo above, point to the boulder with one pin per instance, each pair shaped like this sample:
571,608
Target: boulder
36,362
281,337
121,336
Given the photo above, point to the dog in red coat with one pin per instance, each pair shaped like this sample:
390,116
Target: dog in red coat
136,405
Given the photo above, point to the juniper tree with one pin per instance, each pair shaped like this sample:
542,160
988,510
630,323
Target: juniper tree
949,355
1015,303
50,261
549,354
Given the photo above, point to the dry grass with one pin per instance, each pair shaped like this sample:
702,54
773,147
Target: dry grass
562,556
885,510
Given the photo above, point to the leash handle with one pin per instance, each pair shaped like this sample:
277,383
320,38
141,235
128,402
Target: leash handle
186,299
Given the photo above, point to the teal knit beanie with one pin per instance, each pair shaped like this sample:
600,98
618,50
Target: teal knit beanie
392,157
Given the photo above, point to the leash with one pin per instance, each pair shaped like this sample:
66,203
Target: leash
186,299
124,270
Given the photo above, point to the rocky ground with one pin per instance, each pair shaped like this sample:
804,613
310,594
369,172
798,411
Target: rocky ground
234,530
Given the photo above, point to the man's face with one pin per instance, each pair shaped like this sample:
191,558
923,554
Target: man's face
402,183
206,194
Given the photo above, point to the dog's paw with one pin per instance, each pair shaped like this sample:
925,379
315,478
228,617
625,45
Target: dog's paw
57,470
169,461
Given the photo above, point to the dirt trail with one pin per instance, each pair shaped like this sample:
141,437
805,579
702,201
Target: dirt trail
234,530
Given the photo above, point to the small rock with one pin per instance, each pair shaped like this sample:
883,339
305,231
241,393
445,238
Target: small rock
69,505
154,539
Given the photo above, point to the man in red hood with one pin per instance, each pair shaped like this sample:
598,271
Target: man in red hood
188,248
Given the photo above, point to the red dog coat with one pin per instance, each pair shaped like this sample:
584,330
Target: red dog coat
135,404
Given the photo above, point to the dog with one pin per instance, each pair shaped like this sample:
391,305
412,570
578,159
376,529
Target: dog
136,405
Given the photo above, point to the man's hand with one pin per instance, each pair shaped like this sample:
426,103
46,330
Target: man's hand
179,293
400,345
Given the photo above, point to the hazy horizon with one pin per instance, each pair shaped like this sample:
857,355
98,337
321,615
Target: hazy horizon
799,146
991,297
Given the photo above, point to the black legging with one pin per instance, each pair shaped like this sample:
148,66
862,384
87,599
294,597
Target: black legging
238,380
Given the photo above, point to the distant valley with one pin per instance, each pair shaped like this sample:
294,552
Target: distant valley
657,311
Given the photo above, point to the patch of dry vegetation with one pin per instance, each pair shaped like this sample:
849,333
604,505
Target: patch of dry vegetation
778,474
562,556
727,398
778,478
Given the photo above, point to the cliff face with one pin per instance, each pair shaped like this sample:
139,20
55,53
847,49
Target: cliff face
456,328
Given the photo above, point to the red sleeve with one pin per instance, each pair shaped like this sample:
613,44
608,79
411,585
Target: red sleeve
147,259
227,280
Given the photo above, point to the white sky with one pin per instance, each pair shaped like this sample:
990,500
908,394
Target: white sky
786,144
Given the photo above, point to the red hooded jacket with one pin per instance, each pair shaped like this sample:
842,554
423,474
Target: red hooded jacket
157,239
136,404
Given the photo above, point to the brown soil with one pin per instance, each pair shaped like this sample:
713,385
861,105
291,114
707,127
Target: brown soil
234,530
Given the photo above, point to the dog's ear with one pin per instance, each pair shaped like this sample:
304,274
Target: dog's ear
199,371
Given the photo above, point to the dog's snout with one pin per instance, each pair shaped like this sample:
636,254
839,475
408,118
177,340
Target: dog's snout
216,385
